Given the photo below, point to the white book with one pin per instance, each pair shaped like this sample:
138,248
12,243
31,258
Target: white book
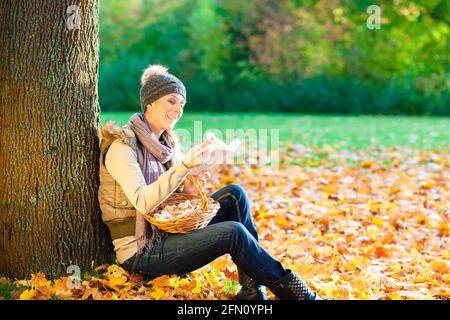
219,153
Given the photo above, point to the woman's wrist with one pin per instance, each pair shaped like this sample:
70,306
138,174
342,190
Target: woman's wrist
185,165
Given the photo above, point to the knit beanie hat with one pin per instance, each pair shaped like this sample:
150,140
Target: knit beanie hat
156,82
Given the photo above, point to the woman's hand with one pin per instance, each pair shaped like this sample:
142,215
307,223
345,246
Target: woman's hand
200,178
198,155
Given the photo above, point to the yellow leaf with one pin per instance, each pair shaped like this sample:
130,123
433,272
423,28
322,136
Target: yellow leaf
116,271
117,281
440,266
214,280
328,289
366,164
27,294
444,230
162,281
375,206
334,211
440,159
298,181
39,280
446,254
282,222
446,278
377,221
198,288
109,296
428,184
174,282
157,294
349,267
372,230
396,267
394,296
183,282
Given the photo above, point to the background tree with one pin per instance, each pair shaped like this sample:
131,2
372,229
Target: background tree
49,114
237,57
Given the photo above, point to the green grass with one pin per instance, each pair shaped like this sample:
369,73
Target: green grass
341,132
6,289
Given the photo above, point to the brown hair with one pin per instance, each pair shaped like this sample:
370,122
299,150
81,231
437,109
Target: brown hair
177,155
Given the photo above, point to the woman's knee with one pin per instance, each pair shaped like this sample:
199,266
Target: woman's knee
236,190
234,228
235,234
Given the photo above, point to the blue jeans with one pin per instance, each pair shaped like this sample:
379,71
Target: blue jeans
231,231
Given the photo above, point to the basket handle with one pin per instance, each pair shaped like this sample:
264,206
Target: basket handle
202,195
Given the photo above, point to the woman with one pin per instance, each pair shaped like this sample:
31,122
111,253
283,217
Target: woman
141,165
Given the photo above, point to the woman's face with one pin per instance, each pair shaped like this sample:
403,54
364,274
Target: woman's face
165,112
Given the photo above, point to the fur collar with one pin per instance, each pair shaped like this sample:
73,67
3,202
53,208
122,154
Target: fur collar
111,132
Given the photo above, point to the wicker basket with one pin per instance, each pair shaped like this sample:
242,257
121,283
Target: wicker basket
186,223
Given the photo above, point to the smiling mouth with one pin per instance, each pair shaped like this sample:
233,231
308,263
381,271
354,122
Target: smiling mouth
172,118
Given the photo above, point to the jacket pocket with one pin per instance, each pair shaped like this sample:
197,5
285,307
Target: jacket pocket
120,199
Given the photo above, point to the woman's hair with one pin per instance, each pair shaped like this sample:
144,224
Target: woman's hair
177,155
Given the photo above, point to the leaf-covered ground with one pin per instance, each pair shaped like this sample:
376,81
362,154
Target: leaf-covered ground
368,224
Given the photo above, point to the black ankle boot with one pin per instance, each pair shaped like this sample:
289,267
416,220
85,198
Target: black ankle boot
249,290
291,287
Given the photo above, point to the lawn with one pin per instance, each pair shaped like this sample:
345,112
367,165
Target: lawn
341,132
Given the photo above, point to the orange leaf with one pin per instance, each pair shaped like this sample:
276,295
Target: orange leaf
231,273
382,252
39,280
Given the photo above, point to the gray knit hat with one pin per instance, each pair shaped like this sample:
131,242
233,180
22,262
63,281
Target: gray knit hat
156,82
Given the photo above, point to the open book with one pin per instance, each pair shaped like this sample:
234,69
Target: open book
219,152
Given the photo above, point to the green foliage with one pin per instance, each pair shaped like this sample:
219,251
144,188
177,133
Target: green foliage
6,289
289,56
231,286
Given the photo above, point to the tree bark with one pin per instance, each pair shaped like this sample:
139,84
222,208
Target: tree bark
49,116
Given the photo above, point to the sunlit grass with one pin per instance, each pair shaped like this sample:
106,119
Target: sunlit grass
341,132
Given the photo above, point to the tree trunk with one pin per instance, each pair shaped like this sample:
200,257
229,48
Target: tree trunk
49,213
